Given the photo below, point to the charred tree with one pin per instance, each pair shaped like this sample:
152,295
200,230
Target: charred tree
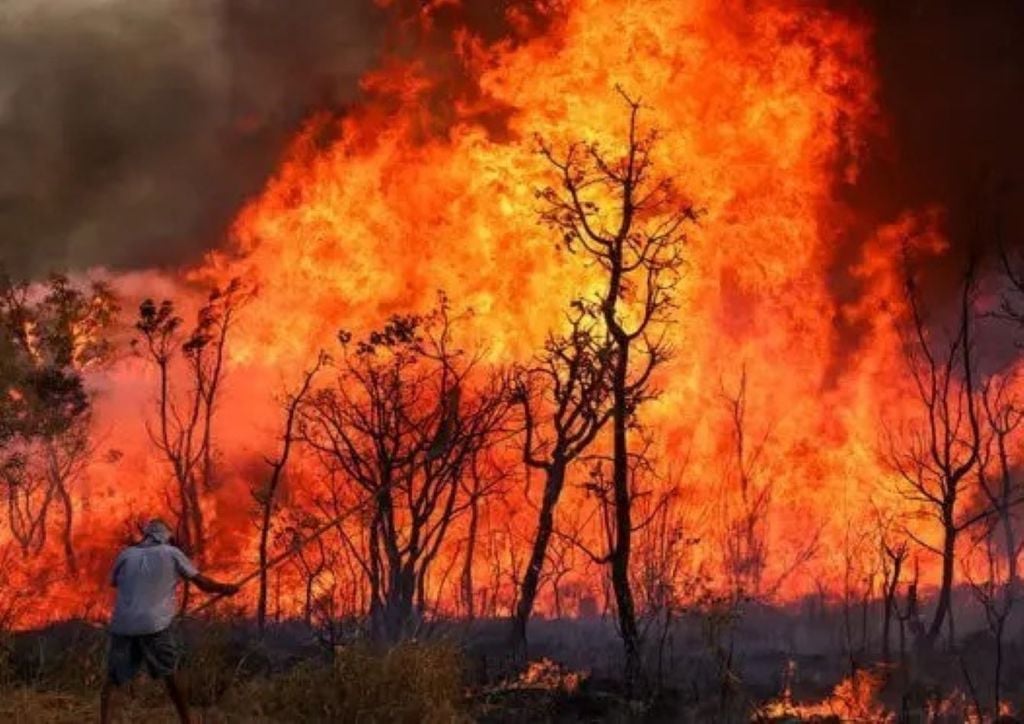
746,535
565,401
266,496
629,224
399,426
484,479
999,591
935,458
184,433
893,557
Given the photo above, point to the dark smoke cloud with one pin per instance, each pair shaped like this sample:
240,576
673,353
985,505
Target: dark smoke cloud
131,131
951,77
952,90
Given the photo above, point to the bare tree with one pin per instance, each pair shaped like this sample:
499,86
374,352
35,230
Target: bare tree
1003,488
745,544
485,478
997,595
664,585
745,502
998,592
315,561
561,563
402,425
628,223
184,432
565,399
910,615
859,572
266,495
935,456
893,551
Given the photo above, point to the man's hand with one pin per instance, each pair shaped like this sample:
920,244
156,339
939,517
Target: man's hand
211,586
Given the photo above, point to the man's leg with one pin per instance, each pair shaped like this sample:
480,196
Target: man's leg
162,652
106,694
124,657
176,690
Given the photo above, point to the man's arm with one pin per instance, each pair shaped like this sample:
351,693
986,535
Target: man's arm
208,585
188,571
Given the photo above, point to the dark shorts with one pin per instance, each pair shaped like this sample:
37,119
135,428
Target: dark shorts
159,652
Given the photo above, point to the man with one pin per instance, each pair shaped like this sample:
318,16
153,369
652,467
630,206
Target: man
146,576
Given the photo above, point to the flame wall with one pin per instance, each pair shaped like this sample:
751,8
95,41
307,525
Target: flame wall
765,109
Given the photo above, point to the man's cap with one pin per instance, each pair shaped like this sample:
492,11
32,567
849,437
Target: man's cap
158,530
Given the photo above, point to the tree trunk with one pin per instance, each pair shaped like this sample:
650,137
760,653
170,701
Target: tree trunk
198,526
624,526
267,514
946,587
554,482
467,567
998,674
1010,541
308,608
890,589
68,531
395,616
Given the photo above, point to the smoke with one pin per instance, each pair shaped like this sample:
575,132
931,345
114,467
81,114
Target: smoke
130,132
952,91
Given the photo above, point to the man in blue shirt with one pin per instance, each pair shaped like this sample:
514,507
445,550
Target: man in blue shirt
146,576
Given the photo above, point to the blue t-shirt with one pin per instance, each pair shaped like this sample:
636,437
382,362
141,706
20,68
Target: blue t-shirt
146,577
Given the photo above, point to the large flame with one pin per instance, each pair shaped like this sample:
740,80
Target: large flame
764,109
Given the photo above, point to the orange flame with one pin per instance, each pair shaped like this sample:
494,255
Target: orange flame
764,110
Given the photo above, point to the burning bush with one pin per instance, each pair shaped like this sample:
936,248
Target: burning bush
855,698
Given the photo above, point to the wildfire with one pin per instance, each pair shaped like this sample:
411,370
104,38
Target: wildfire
762,114
855,699
546,674
763,111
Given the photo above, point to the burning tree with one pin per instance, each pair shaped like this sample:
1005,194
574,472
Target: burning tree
266,495
935,456
1002,490
745,543
485,478
628,223
49,337
402,425
565,399
184,432
893,550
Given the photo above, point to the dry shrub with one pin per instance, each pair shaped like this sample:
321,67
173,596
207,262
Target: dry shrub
211,665
67,657
412,682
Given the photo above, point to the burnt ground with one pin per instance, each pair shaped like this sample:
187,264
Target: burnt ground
697,672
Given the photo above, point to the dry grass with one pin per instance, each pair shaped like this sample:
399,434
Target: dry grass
410,683
413,682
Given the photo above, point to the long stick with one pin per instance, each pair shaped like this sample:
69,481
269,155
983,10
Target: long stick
282,557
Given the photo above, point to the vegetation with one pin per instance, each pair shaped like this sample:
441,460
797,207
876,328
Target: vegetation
411,682
407,439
